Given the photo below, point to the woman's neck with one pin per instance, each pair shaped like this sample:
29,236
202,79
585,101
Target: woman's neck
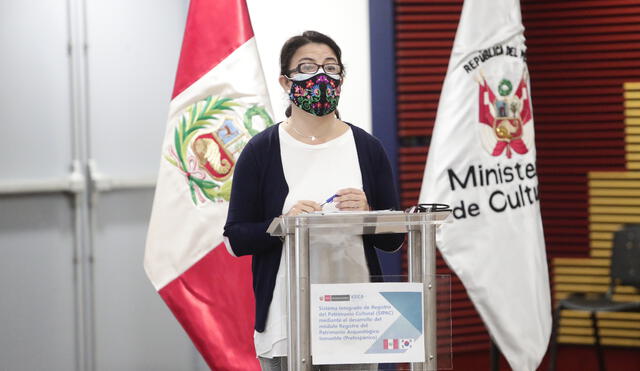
313,129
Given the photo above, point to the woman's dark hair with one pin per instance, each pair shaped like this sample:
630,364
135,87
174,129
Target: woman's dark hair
296,42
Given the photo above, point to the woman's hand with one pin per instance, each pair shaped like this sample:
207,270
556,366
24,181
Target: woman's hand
303,206
351,199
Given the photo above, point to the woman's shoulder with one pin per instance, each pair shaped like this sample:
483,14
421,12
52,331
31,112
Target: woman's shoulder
267,137
361,136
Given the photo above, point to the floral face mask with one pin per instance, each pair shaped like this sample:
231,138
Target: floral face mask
318,94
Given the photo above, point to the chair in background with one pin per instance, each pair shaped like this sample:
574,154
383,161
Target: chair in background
625,270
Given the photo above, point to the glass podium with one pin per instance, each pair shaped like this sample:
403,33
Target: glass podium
342,319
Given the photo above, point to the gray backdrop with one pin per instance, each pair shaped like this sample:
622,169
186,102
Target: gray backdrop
84,88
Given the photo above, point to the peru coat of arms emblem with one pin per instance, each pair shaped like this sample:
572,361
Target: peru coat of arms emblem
506,114
208,138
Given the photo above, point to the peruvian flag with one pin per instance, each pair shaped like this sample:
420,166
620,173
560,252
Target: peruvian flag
482,162
219,102
391,344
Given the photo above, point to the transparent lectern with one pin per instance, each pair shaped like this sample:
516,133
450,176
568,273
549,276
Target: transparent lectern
403,320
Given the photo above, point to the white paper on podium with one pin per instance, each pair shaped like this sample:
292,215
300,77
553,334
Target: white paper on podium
367,323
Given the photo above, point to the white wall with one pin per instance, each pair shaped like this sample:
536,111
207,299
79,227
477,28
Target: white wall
73,292
347,22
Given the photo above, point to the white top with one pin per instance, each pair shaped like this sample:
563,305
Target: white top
315,172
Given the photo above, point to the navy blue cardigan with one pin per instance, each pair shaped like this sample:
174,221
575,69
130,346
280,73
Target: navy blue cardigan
257,196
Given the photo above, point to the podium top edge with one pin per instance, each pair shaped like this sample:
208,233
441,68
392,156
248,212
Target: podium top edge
355,220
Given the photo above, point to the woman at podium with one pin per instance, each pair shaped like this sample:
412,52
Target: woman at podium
311,162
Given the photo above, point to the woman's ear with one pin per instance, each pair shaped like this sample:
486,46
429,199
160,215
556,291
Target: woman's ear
285,83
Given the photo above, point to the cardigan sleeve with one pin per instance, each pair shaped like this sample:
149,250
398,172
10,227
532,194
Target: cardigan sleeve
246,226
385,197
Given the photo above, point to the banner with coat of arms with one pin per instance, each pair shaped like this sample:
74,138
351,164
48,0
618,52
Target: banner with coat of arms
482,162
219,102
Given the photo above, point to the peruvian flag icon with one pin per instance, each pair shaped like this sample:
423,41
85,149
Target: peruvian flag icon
391,344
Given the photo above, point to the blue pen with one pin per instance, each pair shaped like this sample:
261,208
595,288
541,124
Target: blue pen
328,200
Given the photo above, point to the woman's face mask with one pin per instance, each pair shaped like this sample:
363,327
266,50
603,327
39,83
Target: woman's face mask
317,94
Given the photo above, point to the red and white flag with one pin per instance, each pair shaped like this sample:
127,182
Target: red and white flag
482,161
390,344
219,102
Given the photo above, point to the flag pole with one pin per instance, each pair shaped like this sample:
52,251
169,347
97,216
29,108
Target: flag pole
494,355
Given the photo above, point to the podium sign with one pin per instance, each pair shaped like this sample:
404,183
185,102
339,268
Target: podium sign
356,323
